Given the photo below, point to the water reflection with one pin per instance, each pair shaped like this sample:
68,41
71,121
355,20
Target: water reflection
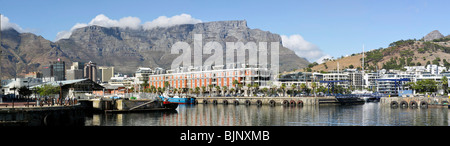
369,114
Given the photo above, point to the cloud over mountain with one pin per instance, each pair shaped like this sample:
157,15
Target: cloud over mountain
132,23
303,48
5,24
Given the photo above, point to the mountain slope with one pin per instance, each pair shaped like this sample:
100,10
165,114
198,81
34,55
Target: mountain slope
398,54
26,52
127,49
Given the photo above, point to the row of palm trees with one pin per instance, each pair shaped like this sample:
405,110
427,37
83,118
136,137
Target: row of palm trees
237,88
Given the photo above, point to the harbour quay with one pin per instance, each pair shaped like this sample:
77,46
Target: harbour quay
42,116
414,102
273,101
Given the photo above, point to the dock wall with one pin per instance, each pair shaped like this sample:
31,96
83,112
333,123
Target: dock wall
413,102
292,101
43,116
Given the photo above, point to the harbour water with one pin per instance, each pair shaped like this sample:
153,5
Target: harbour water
369,114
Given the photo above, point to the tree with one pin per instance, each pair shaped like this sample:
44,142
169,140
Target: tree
283,87
293,86
144,85
224,90
217,88
210,89
265,90
444,84
303,87
166,85
153,89
197,90
203,90
314,86
24,91
256,87
235,83
249,87
240,86
47,90
232,90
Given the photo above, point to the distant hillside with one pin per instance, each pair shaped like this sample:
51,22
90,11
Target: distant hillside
436,50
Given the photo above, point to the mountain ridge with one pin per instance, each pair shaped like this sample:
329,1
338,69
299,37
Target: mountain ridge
127,49
431,49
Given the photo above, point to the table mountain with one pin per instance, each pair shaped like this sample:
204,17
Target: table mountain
127,49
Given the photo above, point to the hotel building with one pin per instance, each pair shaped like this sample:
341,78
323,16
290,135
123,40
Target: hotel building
190,78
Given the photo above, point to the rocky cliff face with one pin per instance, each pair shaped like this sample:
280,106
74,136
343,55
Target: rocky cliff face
127,49
433,35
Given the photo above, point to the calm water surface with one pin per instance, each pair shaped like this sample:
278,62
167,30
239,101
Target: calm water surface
369,114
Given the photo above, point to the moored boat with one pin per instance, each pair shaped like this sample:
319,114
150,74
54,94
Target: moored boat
176,99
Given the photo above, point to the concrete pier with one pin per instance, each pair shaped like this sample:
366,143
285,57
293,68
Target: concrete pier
414,102
273,101
42,116
122,105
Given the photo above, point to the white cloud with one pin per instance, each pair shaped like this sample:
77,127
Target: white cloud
303,48
163,21
66,34
131,22
7,25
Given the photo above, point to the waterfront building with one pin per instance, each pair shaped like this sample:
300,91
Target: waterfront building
192,77
9,85
106,73
76,71
55,69
79,88
142,74
90,71
370,80
299,78
388,83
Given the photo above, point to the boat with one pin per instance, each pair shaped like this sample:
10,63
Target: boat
367,96
176,99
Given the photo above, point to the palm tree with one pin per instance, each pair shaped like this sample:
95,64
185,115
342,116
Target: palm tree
144,85
256,87
203,90
265,90
197,90
166,85
444,84
210,89
240,87
232,90
314,86
175,91
249,87
293,86
283,87
217,88
153,89
303,87
235,83
224,90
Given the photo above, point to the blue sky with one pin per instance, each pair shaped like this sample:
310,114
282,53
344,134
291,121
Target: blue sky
332,27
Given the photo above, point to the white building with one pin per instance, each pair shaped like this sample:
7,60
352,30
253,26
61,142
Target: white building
9,85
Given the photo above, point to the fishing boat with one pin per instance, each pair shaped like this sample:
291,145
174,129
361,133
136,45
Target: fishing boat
176,99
